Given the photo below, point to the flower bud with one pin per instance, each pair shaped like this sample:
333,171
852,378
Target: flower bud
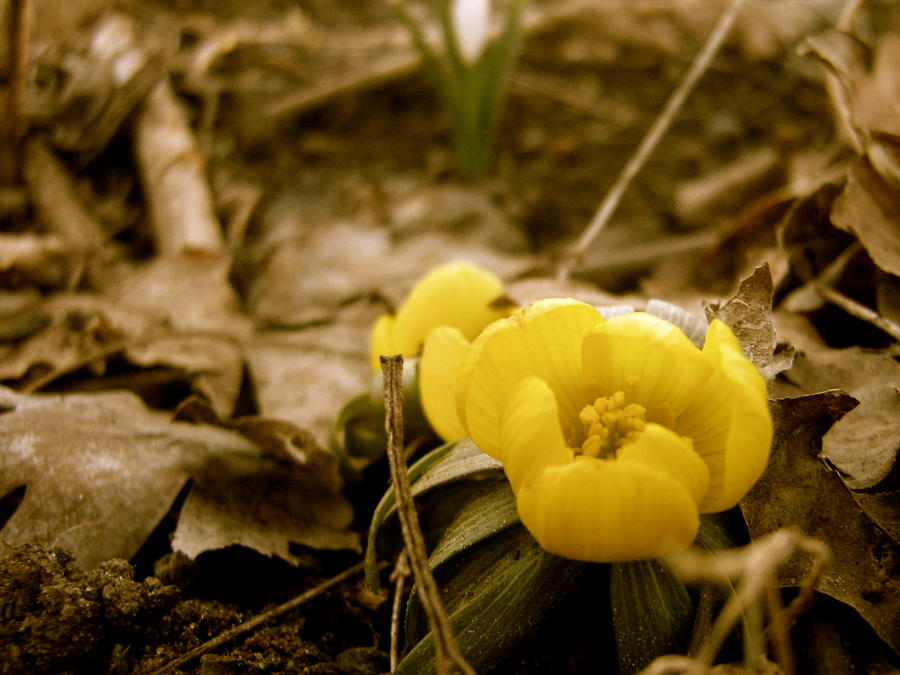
471,21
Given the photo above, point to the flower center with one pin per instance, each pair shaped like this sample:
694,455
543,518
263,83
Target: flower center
611,422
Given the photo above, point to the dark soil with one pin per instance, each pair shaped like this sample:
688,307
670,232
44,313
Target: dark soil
57,618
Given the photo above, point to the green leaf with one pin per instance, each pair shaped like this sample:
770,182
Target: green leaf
357,435
496,594
651,610
497,63
447,464
490,512
714,532
465,460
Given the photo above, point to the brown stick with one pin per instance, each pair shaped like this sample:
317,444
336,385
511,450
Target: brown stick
401,572
449,659
12,129
859,310
257,621
654,134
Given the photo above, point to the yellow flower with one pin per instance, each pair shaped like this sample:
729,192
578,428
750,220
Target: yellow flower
615,435
456,294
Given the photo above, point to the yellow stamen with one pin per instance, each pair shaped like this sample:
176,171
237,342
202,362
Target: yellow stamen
591,446
611,422
589,415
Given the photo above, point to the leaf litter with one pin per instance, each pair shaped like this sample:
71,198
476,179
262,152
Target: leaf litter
243,337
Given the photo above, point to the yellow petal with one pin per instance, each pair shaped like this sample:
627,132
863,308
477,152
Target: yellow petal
382,341
662,449
530,435
443,354
607,511
669,368
455,294
744,451
544,340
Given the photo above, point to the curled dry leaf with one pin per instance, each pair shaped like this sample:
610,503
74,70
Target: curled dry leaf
866,99
798,489
749,314
174,177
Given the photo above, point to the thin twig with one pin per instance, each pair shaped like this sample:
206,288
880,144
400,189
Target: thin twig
859,310
651,139
755,567
823,284
257,621
17,58
448,657
779,631
401,572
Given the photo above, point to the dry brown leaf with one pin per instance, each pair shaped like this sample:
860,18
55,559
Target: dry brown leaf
749,314
282,440
863,445
308,271
305,377
215,363
262,504
173,171
869,207
797,489
100,470
867,99
84,329
875,100
189,291
87,330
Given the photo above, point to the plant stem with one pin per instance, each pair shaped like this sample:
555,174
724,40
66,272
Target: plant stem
448,657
